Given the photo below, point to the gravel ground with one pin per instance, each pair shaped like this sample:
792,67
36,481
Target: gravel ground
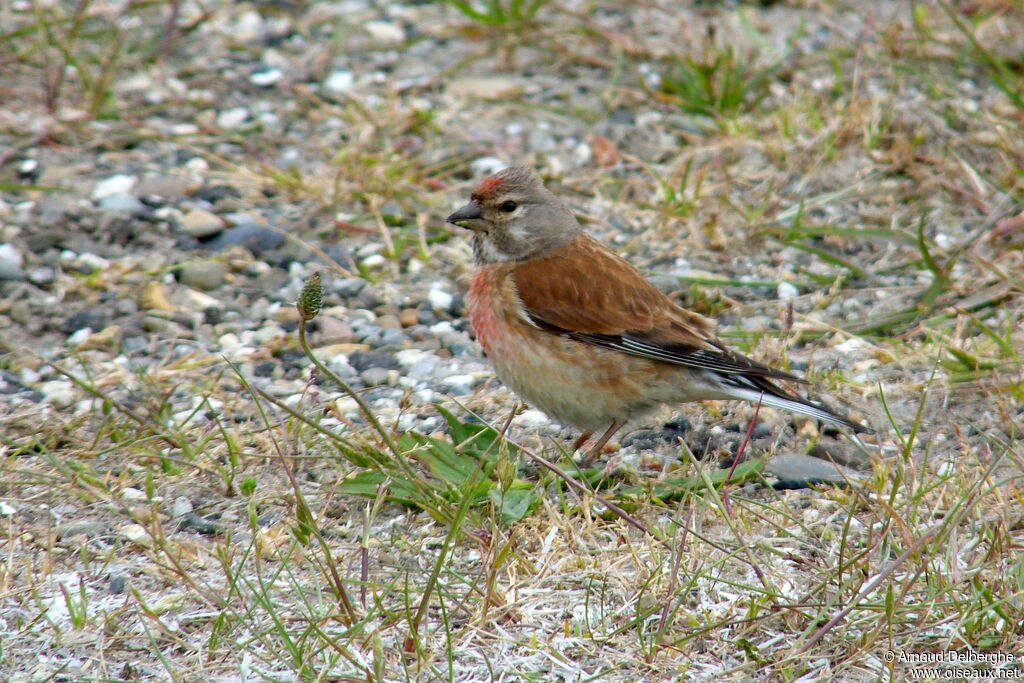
165,224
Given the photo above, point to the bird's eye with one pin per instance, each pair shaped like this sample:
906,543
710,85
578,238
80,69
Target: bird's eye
509,206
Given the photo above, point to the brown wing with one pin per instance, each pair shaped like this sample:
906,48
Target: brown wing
589,293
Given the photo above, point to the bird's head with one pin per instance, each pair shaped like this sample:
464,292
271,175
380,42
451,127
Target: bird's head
515,218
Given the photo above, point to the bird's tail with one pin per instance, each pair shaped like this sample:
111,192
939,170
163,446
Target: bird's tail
760,390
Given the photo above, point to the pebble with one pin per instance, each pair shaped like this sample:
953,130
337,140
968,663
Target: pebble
254,237
786,290
137,534
389,322
340,82
372,377
206,275
200,223
154,297
385,31
334,331
232,118
440,299
42,276
486,87
11,261
201,525
106,338
61,393
115,184
266,78
182,506
799,471
86,528
121,203
485,166
409,317
166,186
364,360
91,319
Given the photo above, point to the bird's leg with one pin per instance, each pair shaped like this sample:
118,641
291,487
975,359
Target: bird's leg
595,451
580,441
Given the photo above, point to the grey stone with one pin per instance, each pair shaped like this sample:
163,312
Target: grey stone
373,377
206,275
797,471
255,238
121,203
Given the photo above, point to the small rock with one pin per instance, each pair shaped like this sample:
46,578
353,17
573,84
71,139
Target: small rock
59,392
87,528
121,203
157,325
800,471
11,261
166,186
200,223
137,534
154,297
343,350
385,31
340,82
389,322
440,299
266,78
487,166
200,525
115,184
206,275
254,237
786,290
182,506
93,319
232,118
487,88
334,331
364,360
409,317
130,493
79,337
373,377
103,339
460,385
43,276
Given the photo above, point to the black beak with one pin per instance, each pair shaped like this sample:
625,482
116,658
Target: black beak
471,217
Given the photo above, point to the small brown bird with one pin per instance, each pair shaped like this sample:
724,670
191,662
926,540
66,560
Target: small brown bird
581,334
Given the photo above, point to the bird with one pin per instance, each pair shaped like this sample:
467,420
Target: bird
578,332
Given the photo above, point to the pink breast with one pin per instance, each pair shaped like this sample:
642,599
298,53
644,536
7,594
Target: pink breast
482,312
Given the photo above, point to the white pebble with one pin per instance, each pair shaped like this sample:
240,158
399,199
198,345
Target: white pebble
340,81
232,118
11,256
487,165
115,184
133,494
385,31
78,337
850,345
265,78
531,418
60,393
439,298
787,291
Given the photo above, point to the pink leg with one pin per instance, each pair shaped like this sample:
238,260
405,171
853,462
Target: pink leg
596,450
580,441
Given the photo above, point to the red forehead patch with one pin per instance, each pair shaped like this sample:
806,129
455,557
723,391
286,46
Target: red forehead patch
488,187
